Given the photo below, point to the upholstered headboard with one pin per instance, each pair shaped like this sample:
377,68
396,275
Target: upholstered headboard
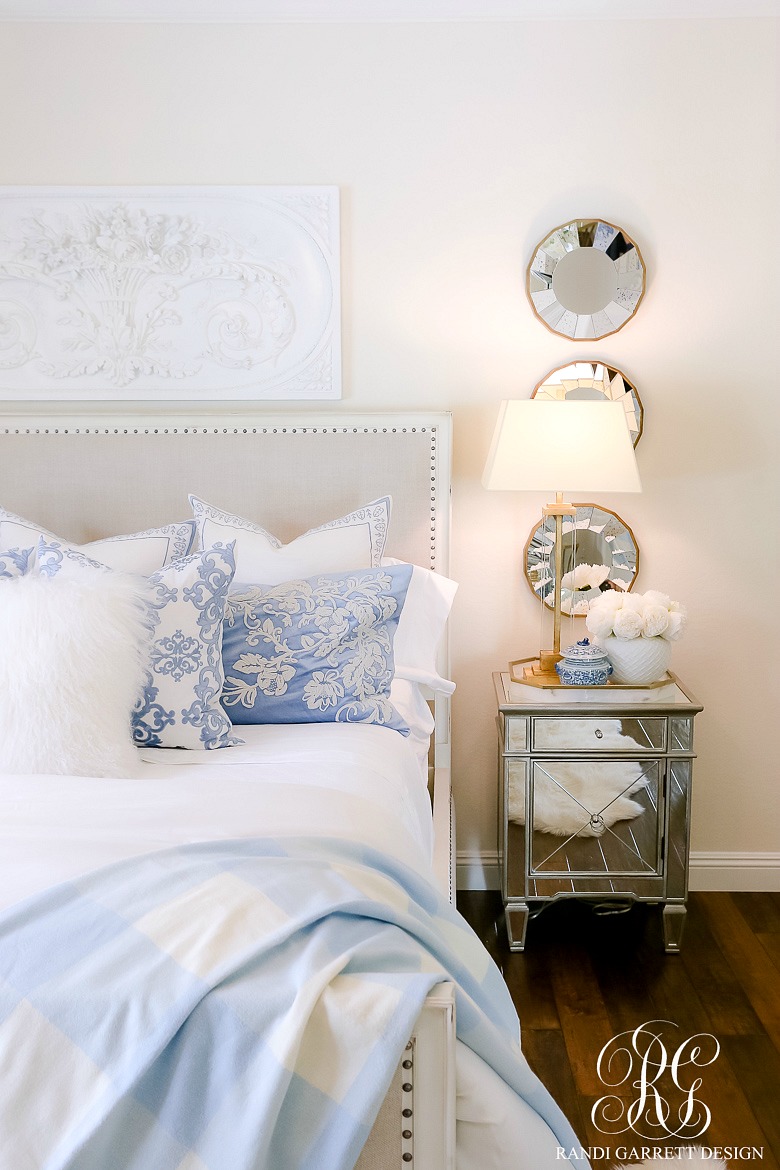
86,474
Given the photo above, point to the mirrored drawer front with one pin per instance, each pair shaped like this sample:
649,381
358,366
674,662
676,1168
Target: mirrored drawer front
596,817
516,734
599,735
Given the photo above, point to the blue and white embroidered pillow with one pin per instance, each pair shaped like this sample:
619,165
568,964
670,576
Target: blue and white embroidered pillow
180,705
135,552
314,651
16,562
355,541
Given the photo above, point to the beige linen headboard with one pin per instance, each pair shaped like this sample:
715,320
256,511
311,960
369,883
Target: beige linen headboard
85,473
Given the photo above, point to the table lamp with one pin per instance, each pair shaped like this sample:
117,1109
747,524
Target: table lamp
561,447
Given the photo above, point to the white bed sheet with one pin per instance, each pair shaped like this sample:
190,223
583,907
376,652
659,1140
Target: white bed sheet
326,780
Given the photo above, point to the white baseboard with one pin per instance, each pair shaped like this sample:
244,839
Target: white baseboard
477,871
735,871
709,871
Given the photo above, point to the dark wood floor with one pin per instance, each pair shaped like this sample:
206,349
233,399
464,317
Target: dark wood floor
583,979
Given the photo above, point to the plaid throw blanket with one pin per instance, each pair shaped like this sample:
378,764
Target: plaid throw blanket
230,1005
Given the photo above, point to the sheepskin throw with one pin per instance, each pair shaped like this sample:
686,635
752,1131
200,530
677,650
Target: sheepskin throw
73,652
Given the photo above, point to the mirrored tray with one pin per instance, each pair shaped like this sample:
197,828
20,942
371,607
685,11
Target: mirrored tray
586,279
519,672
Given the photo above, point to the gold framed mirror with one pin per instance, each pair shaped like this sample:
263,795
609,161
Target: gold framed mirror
586,279
597,381
593,536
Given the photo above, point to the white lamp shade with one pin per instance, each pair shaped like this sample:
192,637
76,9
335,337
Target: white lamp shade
562,447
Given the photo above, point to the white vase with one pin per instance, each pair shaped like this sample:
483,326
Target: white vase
638,660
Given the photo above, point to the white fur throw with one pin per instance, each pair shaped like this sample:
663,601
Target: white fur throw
72,656
596,785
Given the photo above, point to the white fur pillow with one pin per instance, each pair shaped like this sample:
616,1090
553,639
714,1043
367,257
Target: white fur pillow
73,651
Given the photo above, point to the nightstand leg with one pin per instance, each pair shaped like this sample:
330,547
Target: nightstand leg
516,923
674,922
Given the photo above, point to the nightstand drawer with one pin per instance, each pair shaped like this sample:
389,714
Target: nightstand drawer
601,734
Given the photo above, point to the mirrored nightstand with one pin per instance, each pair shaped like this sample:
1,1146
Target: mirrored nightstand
605,774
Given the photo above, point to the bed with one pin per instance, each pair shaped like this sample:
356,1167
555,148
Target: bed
350,799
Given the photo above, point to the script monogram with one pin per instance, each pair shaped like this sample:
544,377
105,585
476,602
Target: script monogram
639,1059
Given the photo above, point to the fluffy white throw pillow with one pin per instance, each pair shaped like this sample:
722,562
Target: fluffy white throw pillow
73,652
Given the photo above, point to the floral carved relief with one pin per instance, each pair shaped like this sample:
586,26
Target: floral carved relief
159,293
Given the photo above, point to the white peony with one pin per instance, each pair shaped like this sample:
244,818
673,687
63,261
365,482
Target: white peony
674,629
628,623
634,602
611,600
599,624
653,597
656,620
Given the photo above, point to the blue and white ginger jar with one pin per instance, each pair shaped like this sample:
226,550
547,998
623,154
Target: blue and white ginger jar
584,665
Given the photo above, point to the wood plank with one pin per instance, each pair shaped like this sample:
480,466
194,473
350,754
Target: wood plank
761,911
757,1065
527,976
623,975
546,1053
771,944
584,1018
718,987
675,998
749,960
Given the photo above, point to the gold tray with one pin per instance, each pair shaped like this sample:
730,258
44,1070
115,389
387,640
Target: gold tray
521,671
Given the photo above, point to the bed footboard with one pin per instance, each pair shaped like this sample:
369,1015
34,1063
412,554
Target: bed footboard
416,1124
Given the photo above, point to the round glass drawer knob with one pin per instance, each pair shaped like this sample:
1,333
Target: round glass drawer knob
597,824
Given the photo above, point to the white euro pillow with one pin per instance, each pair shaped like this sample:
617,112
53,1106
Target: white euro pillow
134,552
354,541
73,655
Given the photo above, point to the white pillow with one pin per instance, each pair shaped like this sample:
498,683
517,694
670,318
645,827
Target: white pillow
73,655
421,626
410,703
356,541
136,552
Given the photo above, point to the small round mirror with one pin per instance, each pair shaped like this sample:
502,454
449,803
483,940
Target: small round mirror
586,279
595,381
594,536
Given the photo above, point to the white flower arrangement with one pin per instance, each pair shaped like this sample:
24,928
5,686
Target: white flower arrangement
635,615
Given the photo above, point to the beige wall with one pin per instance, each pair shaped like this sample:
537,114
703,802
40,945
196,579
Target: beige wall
455,147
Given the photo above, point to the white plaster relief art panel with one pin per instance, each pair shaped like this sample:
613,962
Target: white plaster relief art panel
186,293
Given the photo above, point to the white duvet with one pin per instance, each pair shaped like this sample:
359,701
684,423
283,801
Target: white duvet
353,781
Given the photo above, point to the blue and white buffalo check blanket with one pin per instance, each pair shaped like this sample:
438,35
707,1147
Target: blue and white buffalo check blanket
228,1006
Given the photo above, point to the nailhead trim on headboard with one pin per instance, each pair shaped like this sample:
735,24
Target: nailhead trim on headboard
264,430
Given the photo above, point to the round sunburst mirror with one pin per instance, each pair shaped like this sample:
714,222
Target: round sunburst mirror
586,279
596,381
593,536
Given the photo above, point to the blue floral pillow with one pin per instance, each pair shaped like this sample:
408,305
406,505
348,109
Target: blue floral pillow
314,651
